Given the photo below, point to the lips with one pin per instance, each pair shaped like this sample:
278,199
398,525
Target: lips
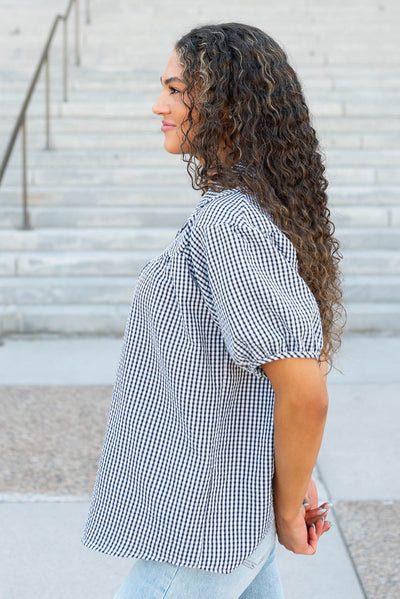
167,126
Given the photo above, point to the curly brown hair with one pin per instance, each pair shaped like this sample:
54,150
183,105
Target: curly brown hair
243,96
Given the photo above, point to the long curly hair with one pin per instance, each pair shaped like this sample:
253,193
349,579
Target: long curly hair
246,106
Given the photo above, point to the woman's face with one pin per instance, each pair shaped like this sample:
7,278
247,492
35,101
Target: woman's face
170,105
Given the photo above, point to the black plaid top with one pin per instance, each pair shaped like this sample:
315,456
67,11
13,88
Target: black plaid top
187,462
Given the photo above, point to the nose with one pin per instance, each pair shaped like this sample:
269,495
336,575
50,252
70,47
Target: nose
161,107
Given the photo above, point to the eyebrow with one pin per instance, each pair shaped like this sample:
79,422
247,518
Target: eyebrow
170,79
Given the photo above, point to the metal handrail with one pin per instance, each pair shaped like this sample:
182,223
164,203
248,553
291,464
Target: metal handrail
21,119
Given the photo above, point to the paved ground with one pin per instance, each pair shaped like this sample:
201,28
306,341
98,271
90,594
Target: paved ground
54,397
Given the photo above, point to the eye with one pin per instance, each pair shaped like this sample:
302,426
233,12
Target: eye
173,91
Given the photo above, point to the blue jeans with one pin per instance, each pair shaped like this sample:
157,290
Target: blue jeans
257,578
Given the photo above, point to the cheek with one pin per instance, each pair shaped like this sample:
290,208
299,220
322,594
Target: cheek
179,110
185,126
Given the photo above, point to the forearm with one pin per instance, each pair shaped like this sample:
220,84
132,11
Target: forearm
299,420
298,435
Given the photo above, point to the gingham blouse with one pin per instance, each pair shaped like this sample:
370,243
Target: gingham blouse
187,461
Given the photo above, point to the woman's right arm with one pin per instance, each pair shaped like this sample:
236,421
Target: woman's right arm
301,403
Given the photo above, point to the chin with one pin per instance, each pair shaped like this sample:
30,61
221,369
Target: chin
172,148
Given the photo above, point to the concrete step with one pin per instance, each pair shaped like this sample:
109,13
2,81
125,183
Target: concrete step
297,57
75,218
364,109
119,290
369,238
298,54
87,196
158,157
97,216
140,175
364,195
125,18
381,122
102,158
363,216
348,73
65,319
359,175
388,175
74,177
128,76
16,83
370,288
82,240
370,157
148,122
114,23
151,139
349,220
56,206
111,319
149,236
139,108
126,263
373,317
371,140
24,52
74,264
95,82
53,291
371,262
149,91
97,125
343,84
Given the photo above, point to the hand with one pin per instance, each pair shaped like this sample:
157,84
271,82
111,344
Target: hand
301,535
297,536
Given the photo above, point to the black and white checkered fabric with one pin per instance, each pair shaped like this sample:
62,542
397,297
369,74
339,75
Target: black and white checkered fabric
187,462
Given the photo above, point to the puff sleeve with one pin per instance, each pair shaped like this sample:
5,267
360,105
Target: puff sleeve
250,283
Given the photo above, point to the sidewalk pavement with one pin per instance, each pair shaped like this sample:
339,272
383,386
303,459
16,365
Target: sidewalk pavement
55,394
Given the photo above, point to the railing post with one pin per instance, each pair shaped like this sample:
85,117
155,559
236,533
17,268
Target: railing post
25,220
20,124
65,59
77,53
47,103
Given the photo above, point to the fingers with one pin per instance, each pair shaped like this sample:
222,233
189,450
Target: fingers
313,515
316,530
319,527
326,505
327,526
316,511
312,539
309,507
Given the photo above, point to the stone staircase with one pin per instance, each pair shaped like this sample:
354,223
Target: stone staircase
107,197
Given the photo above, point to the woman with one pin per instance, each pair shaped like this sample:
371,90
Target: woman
220,399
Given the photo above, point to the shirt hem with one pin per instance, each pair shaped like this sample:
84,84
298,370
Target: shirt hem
196,564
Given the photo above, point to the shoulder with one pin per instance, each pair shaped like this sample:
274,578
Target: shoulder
232,208
235,210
